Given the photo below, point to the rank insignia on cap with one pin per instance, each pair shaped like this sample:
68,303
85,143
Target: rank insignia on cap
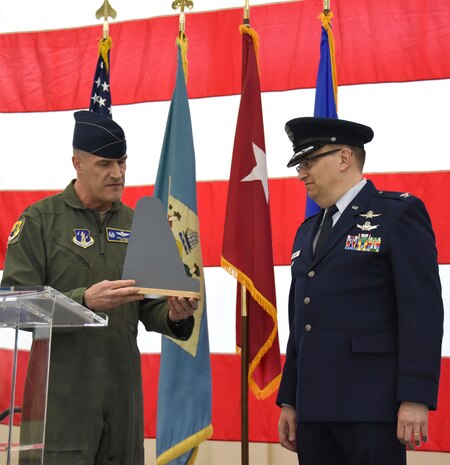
83,238
118,235
367,226
405,195
370,214
15,231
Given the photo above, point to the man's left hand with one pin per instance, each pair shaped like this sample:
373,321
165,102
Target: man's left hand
412,424
181,308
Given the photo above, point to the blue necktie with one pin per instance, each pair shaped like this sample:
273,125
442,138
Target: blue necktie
326,227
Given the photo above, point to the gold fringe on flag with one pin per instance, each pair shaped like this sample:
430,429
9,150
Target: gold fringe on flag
192,442
326,18
270,309
182,42
104,46
245,29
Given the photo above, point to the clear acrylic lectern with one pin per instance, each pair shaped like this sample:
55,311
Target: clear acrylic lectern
27,316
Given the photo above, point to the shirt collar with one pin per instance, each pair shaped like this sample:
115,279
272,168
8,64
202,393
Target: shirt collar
345,200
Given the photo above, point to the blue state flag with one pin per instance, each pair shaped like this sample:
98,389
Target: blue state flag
184,392
325,105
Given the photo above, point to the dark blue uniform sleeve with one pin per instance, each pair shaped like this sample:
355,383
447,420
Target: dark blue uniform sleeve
419,304
288,385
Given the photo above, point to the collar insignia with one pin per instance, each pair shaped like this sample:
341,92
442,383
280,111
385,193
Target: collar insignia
83,238
405,195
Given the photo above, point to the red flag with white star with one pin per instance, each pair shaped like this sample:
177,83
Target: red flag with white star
247,244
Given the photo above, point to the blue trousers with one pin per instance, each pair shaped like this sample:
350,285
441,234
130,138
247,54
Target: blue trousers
349,443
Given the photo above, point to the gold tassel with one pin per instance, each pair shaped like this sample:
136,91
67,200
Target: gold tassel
326,18
245,29
104,46
182,42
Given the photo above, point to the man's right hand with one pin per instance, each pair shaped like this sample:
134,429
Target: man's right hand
109,294
287,428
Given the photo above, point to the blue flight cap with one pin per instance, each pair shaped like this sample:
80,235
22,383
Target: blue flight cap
310,134
98,135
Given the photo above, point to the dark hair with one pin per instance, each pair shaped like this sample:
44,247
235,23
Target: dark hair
360,155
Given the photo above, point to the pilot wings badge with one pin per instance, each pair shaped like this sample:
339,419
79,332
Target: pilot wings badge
370,214
367,226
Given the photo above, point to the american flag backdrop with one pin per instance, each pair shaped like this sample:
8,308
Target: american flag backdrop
393,75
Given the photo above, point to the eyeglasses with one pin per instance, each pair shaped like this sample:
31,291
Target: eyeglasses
305,164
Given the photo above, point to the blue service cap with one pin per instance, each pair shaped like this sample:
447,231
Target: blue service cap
310,134
99,135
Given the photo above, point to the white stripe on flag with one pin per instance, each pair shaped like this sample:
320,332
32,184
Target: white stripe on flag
405,118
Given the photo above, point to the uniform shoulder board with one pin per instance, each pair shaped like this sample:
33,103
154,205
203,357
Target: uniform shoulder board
394,195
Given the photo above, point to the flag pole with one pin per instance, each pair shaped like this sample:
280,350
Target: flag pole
244,336
244,377
326,6
106,11
182,39
182,4
247,12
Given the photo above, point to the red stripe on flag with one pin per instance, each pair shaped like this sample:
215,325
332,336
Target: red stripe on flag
263,414
287,202
56,67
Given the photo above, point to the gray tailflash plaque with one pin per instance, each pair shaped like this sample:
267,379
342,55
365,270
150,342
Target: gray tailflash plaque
152,257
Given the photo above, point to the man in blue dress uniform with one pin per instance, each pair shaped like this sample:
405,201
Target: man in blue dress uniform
365,310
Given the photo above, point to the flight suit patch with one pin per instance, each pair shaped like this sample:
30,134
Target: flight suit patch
15,231
363,243
83,238
118,235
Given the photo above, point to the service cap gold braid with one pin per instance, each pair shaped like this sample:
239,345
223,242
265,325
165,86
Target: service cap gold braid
182,41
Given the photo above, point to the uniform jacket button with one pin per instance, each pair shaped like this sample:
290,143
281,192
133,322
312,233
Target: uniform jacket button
308,328
311,273
306,300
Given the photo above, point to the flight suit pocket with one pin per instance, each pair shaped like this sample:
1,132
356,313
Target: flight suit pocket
374,343
72,251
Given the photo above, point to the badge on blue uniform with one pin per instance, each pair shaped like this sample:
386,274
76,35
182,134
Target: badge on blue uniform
118,235
363,243
370,214
367,226
83,238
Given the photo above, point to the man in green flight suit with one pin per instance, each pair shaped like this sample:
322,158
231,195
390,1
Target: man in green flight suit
74,242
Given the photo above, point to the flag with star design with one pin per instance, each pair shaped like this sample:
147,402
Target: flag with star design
247,244
101,93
